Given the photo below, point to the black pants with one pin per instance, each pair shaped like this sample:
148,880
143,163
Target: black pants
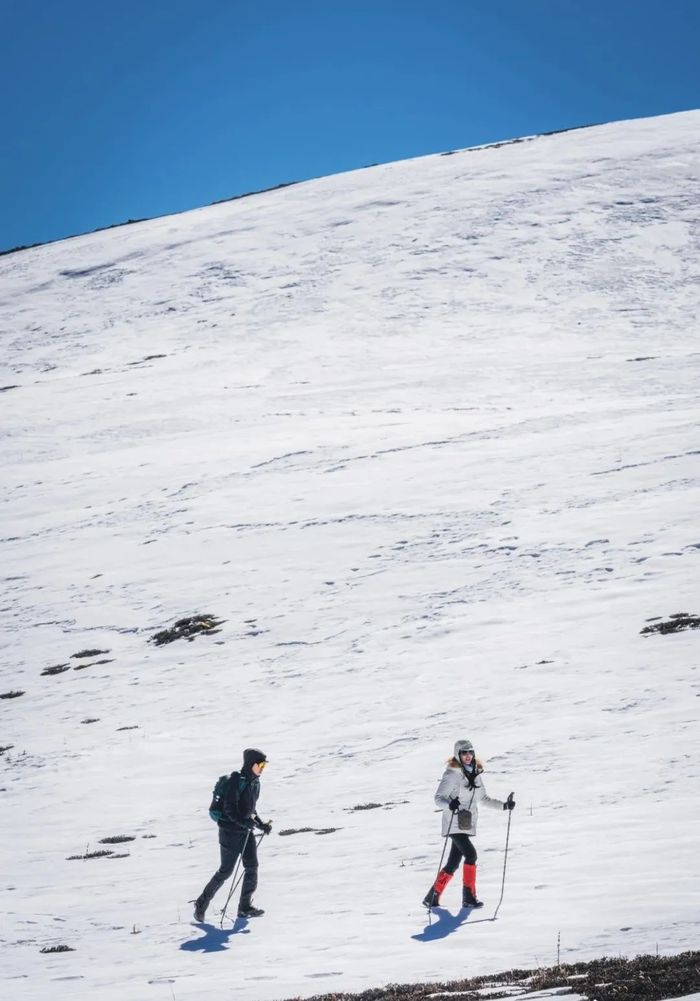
462,847
231,844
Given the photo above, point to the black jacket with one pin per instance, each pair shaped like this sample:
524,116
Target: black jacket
240,801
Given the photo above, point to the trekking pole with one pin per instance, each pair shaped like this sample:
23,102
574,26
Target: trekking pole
235,882
505,860
444,849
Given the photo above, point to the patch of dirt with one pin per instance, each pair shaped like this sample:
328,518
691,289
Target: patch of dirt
645,978
675,623
187,629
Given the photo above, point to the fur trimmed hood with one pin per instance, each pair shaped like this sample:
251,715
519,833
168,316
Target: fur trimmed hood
453,763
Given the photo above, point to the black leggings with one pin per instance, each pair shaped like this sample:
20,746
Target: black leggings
231,844
462,847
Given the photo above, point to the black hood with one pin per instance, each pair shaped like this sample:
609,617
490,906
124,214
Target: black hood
252,756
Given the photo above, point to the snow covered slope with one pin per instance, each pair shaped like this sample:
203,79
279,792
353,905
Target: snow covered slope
426,437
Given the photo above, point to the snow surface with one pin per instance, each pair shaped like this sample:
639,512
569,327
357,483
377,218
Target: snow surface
426,436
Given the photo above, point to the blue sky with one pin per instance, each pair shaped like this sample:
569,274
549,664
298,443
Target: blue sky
128,109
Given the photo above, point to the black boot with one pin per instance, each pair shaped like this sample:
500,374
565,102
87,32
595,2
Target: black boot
468,898
432,897
249,911
200,909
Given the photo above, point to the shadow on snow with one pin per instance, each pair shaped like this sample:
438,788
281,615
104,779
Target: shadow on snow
446,924
215,939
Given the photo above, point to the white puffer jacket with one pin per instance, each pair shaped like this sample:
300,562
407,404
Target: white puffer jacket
454,783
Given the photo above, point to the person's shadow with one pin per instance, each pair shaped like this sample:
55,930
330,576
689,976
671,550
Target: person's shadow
446,923
215,939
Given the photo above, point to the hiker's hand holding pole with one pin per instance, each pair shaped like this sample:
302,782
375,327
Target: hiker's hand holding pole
263,825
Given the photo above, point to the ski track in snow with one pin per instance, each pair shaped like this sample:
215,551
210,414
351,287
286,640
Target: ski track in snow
425,437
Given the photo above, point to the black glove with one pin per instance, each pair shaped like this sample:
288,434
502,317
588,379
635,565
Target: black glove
264,826
454,804
509,803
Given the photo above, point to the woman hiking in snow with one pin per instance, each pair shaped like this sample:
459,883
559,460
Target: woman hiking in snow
459,793
236,823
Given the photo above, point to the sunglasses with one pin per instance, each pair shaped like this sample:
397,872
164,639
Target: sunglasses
261,764
471,753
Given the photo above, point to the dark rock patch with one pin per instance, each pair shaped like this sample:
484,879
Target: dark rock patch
376,806
187,628
6,747
90,719
11,695
147,358
135,727
116,839
101,853
56,669
307,830
4,389
57,948
93,663
87,653
675,623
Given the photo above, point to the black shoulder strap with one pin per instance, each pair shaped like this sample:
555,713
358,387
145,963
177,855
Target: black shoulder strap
236,784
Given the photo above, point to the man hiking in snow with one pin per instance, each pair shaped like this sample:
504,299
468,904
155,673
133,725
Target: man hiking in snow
237,819
459,793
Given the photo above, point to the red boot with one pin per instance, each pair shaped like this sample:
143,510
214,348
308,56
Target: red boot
432,897
469,887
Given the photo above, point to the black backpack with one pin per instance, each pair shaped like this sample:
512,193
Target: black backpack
224,800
